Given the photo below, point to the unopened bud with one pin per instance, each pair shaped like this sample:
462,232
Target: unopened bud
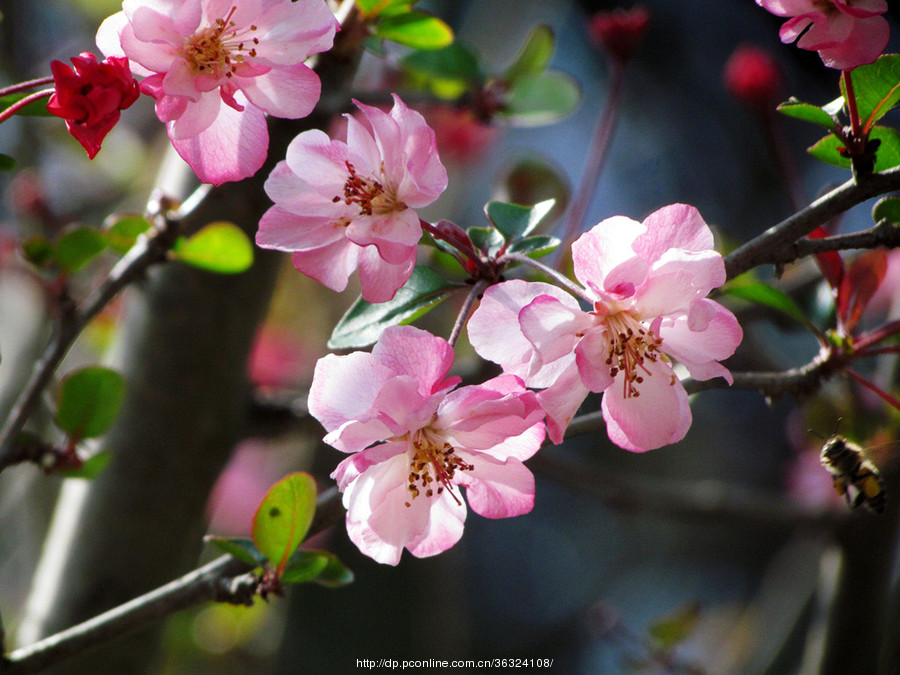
753,77
620,31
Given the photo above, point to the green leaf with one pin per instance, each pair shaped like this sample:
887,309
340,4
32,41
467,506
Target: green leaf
515,221
238,547
364,322
372,8
806,112
219,247
38,251
887,156
90,468
36,108
532,179
887,208
75,248
320,567
89,400
670,630
768,296
453,63
486,239
283,518
534,100
534,56
415,29
7,163
122,230
535,247
877,88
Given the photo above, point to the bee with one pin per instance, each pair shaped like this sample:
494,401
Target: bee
855,476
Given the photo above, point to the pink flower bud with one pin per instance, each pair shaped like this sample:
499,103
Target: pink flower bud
753,77
620,31
91,96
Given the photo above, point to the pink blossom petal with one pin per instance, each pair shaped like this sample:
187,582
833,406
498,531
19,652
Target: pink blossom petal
345,388
498,489
561,401
444,527
698,349
288,33
330,265
659,416
867,41
380,280
394,234
234,147
673,286
862,8
825,31
606,251
552,327
290,92
286,231
406,350
677,226
787,7
591,355
200,115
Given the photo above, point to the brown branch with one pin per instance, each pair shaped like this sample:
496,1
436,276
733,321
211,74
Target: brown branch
771,246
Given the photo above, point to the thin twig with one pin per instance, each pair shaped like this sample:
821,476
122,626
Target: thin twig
473,295
22,102
559,278
22,86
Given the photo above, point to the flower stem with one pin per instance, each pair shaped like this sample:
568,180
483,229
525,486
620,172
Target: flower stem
466,309
21,103
22,86
597,155
571,286
852,110
878,391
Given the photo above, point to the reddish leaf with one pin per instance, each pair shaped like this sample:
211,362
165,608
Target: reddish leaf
859,284
830,262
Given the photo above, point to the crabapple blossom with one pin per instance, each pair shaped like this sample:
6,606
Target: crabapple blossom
647,283
339,206
216,67
416,439
91,96
846,33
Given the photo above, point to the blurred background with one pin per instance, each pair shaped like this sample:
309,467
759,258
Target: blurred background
716,555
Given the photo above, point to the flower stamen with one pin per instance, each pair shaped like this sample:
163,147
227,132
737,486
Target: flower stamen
371,196
631,344
220,48
433,467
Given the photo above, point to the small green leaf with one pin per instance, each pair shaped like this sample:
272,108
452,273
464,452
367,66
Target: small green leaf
36,108
364,322
759,293
515,221
877,88
38,251
535,247
372,8
534,100
122,230
283,518
89,401
455,63
7,163
219,247
887,156
534,56
75,248
806,112
320,567
238,547
415,29
90,468
670,630
887,208
487,239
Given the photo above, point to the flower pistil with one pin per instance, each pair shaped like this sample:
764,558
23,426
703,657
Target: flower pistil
219,48
433,461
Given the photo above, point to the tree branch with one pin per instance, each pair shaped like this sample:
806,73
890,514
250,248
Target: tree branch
774,244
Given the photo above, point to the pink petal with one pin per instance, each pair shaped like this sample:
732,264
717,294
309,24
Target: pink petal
289,92
394,234
659,416
285,231
380,280
344,388
561,401
407,350
867,41
677,226
290,32
330,265
606,251
682,277
443,529
424,177
862,8
552,327
314,158
717,341
232,148
787,7
200,114
498,489
591,355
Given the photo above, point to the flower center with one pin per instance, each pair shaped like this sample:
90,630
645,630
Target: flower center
433,466
630,345
220,48
371,196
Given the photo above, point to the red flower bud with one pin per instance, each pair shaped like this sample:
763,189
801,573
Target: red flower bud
753,77
620,31
91,96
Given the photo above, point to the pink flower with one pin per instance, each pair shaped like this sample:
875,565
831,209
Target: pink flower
215,67
416,440
91,96
846,33
647,283
339,206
